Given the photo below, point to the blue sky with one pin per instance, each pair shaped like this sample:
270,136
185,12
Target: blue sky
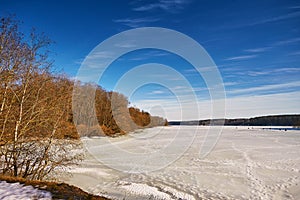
254,44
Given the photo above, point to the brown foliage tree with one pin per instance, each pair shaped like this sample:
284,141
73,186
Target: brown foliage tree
35,107
112,117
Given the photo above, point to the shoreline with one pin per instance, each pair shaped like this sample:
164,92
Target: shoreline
58,190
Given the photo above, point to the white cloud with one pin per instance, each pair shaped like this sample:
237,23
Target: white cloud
243,57
273,71
277,18
266,88
230,83
246,106
258,73
78,61
126,45
172,6
156,92
288,69
199,70
257,50
296,53
179,87
288,41
150,54
263,21
136,22
294,7
282,103
102,55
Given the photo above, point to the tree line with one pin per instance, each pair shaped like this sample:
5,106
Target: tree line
275,120
113,115
37,126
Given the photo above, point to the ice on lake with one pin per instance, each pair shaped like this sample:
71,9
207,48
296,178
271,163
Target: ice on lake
165,163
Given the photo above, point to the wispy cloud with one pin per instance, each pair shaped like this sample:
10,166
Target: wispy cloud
294,7
288,41
261,21
126,44
288,69
199,70
266,88
136,22
172,6
258,73
243,57
273,71
275,19
227,84
239,106
296,53
149,54
102,55
257,50
78,61
155,92
280,103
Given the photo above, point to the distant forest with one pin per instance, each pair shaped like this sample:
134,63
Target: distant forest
274,120
113,116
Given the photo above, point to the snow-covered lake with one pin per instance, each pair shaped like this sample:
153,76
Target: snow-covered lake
164,163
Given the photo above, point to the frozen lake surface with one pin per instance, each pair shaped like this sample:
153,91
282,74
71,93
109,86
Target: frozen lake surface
246,163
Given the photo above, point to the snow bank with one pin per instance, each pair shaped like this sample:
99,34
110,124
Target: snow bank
13,191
